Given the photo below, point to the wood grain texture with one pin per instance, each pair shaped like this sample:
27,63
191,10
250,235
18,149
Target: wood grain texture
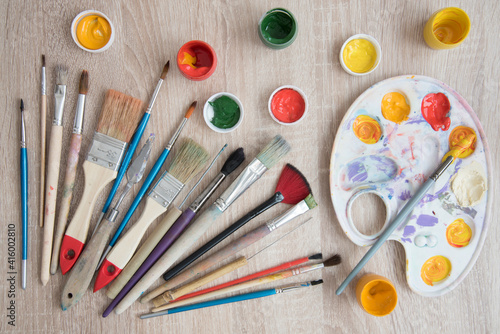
151,32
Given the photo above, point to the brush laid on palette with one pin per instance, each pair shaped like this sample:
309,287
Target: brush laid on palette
53,163
79,278
232,248
118,119
237,298
188,162
123,284
153,239
276,149
292,188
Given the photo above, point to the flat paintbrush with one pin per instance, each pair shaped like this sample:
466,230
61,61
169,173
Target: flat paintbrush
43,135
292,188
188,162
24,198
53,162
69,179
232,162
276,149
119,118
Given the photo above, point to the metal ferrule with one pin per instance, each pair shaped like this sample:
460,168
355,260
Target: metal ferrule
166,190
292,287
209,190
44,86
113,213
250,174
59,95
306,269
176,134
294,212
80,109
445,164
153,97
23,131
107,151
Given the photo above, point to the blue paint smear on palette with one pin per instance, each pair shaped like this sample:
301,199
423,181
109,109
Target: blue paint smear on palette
369,169
426,220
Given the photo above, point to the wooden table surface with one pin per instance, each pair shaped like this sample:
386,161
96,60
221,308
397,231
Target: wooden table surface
151,32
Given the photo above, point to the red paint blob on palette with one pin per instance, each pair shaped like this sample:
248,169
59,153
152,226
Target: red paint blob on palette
287,105
435,108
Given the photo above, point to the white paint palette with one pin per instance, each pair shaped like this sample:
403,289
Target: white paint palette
397,165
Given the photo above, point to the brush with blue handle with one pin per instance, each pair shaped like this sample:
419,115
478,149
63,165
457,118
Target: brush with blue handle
24,198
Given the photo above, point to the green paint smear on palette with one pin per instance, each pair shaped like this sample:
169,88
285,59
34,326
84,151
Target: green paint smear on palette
226,112
276,27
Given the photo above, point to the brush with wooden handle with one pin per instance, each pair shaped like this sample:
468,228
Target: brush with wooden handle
43,134
53,162
276,149
153,239
188,162
69,179
119,118
79,278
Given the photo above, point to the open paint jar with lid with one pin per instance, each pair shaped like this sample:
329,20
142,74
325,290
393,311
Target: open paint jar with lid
278,28
288,105
223,112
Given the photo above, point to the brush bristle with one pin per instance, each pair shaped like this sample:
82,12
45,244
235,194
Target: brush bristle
120,115
311,203
317,282
43,60
84,83
333,261
22,105
189,161
233,161
62,75
276,149
292,185
191,109
318,256
165,70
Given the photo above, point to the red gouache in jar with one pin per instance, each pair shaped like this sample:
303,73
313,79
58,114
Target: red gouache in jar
287,105
196,60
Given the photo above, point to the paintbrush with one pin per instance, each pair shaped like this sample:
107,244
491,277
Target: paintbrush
24,198
188,162
53,162
43,133
133,144
119,117
276,149
184,291
233,299
80,277
333,261
292,187
69,180
149,180
153,239
239,244
232,162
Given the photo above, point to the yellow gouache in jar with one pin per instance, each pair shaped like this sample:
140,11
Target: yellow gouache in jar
395,108
359,55
93,32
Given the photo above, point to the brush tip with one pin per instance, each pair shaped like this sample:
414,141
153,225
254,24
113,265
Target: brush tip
43,60
62,75
293,185
233,161
84,83
333,261
188,161
22,105
165,70
317,282
191,109
318,256
276,149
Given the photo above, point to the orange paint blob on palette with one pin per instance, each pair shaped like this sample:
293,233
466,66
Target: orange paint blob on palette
459,133
367,129
395,108
458,233
435,269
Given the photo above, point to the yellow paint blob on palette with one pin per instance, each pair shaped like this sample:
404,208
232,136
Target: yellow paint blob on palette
442,238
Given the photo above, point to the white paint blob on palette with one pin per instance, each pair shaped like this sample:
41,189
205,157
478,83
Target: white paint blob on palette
397,165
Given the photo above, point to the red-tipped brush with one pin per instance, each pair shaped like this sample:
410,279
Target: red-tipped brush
291,189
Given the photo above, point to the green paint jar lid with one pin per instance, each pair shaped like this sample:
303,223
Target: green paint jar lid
278,28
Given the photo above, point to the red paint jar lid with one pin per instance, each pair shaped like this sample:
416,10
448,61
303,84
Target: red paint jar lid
196,60
288,105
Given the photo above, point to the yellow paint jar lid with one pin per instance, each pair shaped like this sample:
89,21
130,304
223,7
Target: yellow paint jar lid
376,295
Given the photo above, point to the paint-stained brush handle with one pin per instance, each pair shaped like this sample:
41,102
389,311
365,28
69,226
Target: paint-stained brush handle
43,135
69,184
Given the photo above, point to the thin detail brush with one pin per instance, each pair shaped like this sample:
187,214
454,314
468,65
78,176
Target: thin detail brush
43,135
24,199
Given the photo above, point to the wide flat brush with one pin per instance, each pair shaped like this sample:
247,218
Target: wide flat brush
53,163
232,248
117,122
233,299
188,162
24,198
43,135
232,162
133,144
276,149
69,179
292,188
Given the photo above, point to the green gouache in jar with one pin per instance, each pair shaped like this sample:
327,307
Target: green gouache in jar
278,28
226,112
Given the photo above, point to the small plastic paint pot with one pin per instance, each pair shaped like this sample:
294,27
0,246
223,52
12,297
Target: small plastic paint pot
209,113
288,105
196,60
447,28
376,295
79,18
344,59
278,28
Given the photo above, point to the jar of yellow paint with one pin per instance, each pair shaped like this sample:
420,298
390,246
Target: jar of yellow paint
360,54
92,31
376,295
447,28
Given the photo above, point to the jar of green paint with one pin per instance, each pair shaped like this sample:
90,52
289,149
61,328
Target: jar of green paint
278,28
